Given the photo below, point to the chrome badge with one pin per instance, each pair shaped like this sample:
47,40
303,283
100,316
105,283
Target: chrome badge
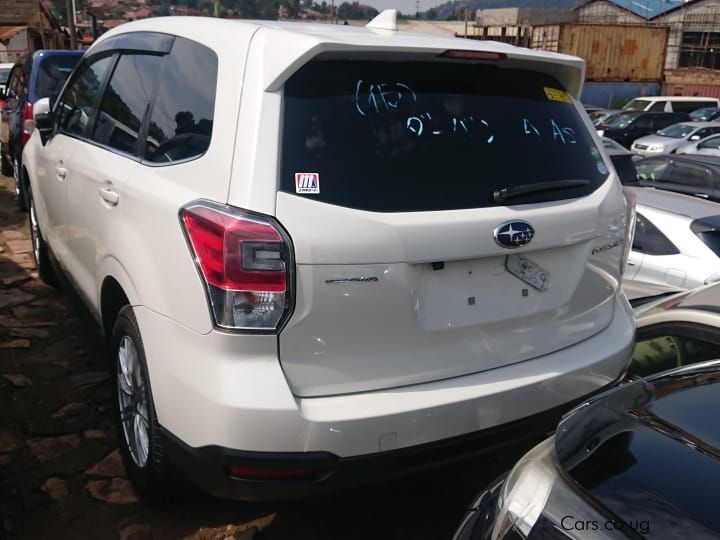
513,234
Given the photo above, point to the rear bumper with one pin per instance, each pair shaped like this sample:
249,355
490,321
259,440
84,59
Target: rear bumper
229,391
208,467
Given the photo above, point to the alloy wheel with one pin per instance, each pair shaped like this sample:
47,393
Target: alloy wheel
132,400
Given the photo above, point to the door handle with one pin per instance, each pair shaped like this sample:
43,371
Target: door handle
109,195
61,172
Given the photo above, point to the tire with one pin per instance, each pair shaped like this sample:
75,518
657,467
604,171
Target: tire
20,186
141,441
5,166
40,249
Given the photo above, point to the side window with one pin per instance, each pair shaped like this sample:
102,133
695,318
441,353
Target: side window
652,170
658,106
649,240
80,98
691,175
125,102
713,143
661,353
701,134
643,123
181,120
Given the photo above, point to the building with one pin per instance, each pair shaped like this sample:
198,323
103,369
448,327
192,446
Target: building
515,25
27,26
692,50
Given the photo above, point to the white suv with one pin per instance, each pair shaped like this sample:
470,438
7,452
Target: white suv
318,249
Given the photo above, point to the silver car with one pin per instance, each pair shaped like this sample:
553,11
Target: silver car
676,244
671,138
709,146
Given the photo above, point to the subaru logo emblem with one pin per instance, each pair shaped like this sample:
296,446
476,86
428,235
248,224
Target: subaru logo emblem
513,234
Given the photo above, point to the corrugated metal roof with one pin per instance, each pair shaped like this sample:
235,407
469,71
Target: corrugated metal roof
648,9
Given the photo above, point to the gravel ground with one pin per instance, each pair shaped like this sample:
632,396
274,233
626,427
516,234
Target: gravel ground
60,473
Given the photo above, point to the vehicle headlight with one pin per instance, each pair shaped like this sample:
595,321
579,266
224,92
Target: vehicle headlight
526,491
655,148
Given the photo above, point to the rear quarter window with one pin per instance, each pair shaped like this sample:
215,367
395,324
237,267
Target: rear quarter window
419,136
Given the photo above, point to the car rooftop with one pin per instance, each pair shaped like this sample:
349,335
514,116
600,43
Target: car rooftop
297,42
675,203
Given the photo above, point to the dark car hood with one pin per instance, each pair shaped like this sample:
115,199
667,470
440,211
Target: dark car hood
650,451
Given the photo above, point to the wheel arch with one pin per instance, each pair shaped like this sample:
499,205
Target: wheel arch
115,292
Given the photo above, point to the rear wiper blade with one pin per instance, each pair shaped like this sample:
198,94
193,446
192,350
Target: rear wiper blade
512,192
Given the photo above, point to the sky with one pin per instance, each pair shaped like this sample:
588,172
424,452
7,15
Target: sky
405,6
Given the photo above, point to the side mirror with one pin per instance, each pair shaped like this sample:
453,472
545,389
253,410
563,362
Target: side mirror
42,113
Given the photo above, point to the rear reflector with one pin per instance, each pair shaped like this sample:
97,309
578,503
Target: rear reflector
245,261
484,56
254,473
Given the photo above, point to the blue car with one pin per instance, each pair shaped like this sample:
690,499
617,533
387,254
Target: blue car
41,74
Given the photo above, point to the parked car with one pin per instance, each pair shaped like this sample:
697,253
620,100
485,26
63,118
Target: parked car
626,127
694,175
684,104
676,244
603,117
623,465
595,112
669,139
645,442
36,76
706,114
709,146
264,353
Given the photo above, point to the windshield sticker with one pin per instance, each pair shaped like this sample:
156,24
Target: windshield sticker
555,94
307,183
602,169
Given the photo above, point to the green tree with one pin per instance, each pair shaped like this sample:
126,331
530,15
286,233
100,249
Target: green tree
431,14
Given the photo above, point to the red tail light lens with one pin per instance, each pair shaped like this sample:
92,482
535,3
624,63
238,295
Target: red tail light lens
246,263
28,124
484,56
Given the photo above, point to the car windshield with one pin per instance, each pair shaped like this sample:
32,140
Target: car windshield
620,120
52,74
637,105
702,115
421,136
677,131
4,74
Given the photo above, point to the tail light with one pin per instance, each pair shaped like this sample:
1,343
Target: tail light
630,219
28,122
245,260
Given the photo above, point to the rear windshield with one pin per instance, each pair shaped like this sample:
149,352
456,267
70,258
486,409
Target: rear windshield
703,115
414,136
52,74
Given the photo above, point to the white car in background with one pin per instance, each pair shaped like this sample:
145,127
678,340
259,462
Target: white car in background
284,321
669,139
676,243
709,146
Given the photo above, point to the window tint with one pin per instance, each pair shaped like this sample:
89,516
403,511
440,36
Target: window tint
652,170
644,123
4,75
125,101
690,175
52,73
658,106
690,106
636,105
81,96
649,240
413,136
663,120
182,114
714,143
708,230
666,352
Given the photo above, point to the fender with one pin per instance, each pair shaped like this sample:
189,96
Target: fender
109,266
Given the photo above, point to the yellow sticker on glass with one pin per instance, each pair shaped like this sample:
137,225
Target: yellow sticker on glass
554,94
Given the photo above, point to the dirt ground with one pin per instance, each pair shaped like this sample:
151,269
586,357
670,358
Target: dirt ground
60,473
